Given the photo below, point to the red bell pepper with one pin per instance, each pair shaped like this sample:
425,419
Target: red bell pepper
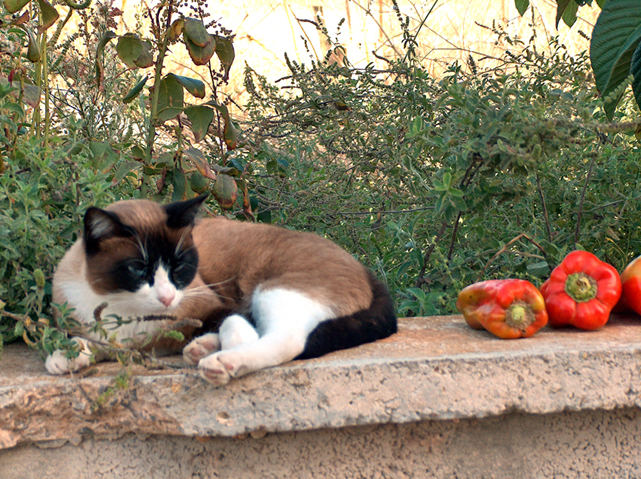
631,282
581,291
507,308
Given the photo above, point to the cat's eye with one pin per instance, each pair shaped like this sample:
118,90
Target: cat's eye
136,269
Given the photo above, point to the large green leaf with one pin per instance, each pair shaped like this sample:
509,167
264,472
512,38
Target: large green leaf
12,6
635,69
193,86
521,5
170,98
615,37
200,117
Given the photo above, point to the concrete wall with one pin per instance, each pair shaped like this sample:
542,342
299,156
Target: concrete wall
590,444
438,399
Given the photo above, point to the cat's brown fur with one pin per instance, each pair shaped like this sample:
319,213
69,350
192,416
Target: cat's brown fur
282,294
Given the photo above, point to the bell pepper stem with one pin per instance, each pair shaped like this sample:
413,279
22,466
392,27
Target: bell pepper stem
519,315
581,287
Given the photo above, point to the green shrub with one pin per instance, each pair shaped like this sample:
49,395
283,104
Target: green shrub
426,179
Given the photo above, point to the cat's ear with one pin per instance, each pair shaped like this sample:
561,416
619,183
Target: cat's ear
183,213
100,225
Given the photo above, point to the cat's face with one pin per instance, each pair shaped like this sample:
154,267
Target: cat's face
141,254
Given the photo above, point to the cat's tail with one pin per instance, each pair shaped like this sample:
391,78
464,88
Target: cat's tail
376,322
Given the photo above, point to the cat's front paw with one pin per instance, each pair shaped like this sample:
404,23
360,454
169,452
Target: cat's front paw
201,347
219,368
58,363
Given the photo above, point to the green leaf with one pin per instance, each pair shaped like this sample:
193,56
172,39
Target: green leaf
129,49
521,5
561,5
569,15
12,6
200,117
193,86
33,47
103,154
199,160
226,54
635,69
231,134
170,98
615,37
231,131
176,29
49,15
123,170
179,183
135,91
225,191
198,183
200,55
195,30
601,3
146,57
30,93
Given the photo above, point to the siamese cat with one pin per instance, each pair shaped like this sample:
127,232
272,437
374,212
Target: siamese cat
266,294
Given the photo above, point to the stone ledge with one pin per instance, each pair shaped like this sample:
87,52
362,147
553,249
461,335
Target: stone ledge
434,369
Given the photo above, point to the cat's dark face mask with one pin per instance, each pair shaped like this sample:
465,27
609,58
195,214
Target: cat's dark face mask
128,249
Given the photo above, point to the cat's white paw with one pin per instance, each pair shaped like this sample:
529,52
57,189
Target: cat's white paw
200,347
220,367
58,363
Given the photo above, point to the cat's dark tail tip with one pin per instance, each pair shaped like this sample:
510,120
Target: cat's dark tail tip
376,322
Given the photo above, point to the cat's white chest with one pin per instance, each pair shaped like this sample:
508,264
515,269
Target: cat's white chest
125,305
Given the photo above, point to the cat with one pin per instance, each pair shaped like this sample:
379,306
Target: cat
273,294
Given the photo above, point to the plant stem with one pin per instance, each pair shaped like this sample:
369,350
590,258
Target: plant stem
153,115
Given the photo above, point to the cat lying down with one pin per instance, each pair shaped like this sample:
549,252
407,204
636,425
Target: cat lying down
275,294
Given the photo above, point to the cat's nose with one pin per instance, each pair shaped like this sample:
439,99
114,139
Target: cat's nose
166,298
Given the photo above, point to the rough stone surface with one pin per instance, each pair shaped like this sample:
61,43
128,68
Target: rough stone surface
433,369
589,444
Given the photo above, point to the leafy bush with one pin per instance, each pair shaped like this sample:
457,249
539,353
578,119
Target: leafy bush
428,179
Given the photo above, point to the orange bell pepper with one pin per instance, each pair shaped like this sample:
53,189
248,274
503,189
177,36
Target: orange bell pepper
631,282
507,308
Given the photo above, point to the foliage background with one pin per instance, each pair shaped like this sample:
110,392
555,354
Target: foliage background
484,170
